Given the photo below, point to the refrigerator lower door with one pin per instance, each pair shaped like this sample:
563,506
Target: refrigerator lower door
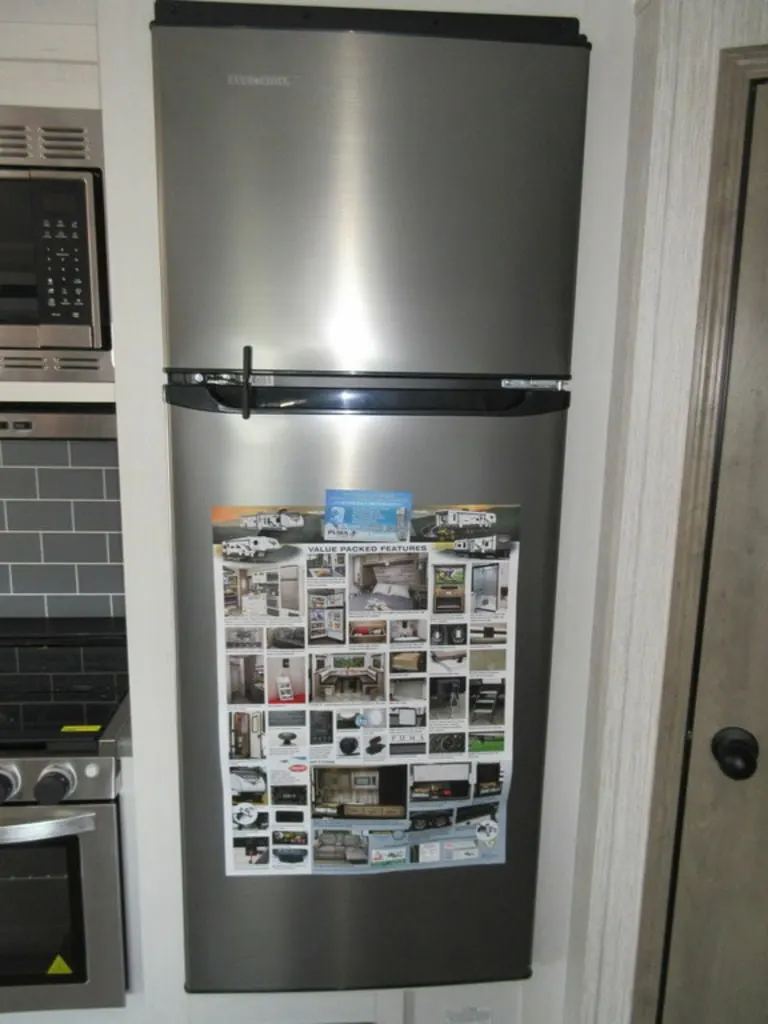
424,928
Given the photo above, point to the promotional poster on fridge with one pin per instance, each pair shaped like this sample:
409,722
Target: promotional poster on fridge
366,655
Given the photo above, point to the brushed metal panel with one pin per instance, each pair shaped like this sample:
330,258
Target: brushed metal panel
431,927
349,201
719,939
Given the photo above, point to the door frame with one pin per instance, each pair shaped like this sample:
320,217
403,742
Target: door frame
740,69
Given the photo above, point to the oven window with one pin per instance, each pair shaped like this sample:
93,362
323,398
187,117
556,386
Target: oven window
18,273
42,938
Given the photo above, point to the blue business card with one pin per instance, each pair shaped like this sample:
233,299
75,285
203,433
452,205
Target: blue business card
383,516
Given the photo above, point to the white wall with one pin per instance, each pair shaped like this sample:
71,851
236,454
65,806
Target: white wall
151,799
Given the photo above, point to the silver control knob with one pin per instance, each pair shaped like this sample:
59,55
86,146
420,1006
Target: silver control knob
56,783
10,782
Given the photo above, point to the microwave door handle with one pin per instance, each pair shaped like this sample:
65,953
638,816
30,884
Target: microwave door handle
51,828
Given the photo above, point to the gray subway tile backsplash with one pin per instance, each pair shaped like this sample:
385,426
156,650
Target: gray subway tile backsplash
18,483
38,516
27,606
97,515
116,547
43,579
79,606
35,453
71,483
74,547
111,484
60,540
20,547
100,579
93,453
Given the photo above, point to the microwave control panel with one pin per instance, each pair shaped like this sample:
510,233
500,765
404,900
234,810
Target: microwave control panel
61,228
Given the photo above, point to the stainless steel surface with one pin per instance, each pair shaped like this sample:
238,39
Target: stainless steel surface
46,336
115,741
57,825
102,914
52,336
356,932
397,203
20,422
67,365
95,340
97,778
536,384
39,136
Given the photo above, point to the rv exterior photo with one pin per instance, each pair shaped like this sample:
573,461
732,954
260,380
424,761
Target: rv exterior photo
462,518
478,545
248,547
273,521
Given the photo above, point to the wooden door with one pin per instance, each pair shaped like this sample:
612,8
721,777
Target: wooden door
717,967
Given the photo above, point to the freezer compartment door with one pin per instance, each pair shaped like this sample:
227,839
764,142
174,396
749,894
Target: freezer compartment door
368,200
465,924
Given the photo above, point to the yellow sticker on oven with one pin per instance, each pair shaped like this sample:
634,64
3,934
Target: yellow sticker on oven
81,728
59,966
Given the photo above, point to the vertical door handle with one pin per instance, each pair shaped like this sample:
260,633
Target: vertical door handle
736,751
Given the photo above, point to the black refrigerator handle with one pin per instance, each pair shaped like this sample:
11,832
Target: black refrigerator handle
246,386
439,396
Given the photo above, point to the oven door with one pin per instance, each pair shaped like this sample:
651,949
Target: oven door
61,928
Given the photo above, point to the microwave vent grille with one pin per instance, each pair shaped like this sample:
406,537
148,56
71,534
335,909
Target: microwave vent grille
32,361
15,142
39,137
64,144
81,362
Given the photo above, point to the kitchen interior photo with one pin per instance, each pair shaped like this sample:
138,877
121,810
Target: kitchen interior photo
250,592
327,617
359,792
344,677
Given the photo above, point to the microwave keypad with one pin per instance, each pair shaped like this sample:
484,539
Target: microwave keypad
63,253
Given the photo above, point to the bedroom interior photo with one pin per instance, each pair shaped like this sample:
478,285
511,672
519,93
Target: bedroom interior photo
388,583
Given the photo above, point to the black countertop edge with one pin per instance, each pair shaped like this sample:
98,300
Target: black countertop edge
102,632
509,28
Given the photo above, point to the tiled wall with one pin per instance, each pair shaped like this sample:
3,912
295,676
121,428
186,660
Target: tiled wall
60,542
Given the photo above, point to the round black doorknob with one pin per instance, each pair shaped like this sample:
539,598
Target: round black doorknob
736,751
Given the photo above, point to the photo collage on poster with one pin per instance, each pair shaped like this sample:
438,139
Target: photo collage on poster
366,690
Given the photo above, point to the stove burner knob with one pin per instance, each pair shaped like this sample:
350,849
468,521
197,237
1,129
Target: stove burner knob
55,784
10,782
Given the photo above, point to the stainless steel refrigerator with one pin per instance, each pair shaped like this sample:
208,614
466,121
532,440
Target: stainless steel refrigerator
370,225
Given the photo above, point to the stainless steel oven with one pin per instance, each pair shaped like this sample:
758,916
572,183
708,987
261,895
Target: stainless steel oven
61,922
54,316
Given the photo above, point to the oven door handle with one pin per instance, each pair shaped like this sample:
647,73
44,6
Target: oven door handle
49,828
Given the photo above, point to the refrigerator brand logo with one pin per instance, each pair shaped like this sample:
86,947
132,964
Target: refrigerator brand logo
259,80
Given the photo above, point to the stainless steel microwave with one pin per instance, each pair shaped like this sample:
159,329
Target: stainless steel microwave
54,314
